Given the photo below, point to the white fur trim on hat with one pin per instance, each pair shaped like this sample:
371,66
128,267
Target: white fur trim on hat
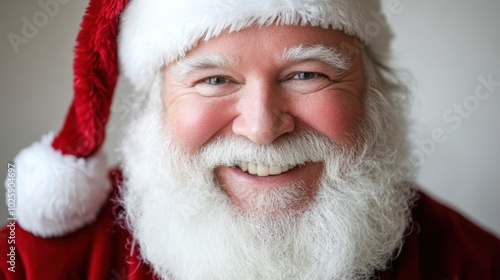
58,194
154,33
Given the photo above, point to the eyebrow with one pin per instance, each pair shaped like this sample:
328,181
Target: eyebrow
337,60
187,65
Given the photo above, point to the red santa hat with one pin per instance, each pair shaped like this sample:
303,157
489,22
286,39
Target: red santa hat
62,181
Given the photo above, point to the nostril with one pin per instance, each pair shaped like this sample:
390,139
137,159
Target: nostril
262,115
263,131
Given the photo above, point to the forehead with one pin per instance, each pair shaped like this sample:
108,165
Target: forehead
270,39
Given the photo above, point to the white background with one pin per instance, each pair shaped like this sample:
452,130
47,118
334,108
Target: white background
447,45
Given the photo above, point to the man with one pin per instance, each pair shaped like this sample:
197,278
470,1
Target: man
271,144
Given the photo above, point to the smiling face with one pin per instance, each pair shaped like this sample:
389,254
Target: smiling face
263,84
268,142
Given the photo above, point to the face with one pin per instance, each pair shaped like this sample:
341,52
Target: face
262,84
268,120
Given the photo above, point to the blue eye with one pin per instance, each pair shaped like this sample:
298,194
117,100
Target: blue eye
305,75
216,86
306,82
216,81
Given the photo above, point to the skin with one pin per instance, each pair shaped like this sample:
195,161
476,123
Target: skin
260,97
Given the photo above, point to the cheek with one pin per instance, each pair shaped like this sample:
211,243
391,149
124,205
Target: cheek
332,115
194,121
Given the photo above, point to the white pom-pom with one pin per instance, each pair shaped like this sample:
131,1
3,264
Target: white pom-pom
57,194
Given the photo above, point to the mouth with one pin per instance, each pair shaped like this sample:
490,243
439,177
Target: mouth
244,181
262,170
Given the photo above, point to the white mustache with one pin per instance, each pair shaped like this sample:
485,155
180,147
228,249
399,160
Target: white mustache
292,149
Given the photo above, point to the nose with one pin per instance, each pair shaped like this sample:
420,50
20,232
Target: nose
262,114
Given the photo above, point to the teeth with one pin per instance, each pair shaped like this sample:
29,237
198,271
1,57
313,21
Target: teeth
252,168
285,168
275,170
244,166
264,170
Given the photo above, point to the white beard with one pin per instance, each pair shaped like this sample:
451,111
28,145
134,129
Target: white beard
188,228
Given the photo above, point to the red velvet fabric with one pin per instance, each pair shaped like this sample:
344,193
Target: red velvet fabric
95,69
442,245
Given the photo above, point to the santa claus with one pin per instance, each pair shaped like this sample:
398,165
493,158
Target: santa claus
269,142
